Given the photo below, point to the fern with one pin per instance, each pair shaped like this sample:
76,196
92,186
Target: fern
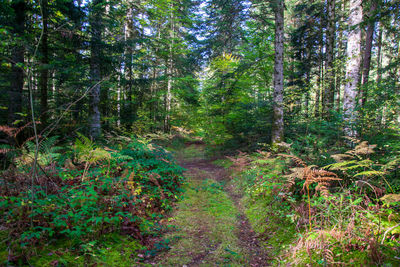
47,152
355,164
87,153
370,173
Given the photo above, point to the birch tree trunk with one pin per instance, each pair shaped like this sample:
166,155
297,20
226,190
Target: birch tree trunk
277,127
352,68
128,71
95,73
168,96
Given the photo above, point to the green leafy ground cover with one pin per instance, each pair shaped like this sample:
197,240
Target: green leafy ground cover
346,226
90,203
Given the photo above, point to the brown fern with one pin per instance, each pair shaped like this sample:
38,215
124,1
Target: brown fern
311,175
240,162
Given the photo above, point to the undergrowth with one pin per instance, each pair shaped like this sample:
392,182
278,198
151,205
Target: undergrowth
342,213
86,201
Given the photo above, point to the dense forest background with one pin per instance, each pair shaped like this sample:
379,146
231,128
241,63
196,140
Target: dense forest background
85,85
145,66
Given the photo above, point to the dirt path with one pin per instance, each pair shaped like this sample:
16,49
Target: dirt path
209,227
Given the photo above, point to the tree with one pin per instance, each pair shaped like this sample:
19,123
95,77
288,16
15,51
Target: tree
17,62
277,128
352,67
95,69
329,92
367,52
44,73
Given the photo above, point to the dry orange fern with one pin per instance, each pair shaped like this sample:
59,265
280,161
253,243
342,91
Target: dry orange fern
310,174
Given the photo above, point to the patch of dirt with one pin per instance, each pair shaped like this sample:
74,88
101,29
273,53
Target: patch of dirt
256,254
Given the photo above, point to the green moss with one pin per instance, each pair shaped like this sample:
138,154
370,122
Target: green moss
110,250
206,221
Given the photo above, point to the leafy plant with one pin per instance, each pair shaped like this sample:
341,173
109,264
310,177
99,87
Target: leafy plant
86,152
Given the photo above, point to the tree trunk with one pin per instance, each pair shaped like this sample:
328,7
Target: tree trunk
44,73
128,62
379,55
320,79
328,96
168,97
277,128
17,59
95,73
340,72
352,67
367,52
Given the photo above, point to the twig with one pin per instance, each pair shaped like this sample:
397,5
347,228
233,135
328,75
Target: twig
387,231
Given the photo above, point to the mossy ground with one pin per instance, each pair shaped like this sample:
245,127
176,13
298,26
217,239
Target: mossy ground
110,250
206,226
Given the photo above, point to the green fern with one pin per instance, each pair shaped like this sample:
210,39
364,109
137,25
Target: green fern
86,152
47,153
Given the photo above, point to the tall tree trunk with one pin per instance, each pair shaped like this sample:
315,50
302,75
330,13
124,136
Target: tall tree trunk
168,96
379,55
44,73
320,78
95,71
277,127
367,52
104,97
329,92
340,72
352,67
129,61
17,59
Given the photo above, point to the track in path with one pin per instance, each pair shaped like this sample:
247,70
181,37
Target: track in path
209,225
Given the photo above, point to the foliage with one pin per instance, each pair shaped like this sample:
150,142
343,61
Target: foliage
86,199
347,219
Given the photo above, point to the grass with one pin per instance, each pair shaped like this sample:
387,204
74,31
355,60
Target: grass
206,226
110,250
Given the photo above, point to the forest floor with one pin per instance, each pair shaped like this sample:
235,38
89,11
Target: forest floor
208,226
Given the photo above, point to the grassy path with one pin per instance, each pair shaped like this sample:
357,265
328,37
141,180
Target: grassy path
208,225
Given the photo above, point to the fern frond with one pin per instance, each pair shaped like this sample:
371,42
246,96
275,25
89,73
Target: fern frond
391,165
340,165
370,173
297,160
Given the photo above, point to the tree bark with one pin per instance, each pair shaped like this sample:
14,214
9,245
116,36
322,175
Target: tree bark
329,90
17,59
352,68
367,53
44,72
95,71
129,61
278,127
379,55
340,72
168,96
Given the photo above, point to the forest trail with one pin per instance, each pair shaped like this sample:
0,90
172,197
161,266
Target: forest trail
208,226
